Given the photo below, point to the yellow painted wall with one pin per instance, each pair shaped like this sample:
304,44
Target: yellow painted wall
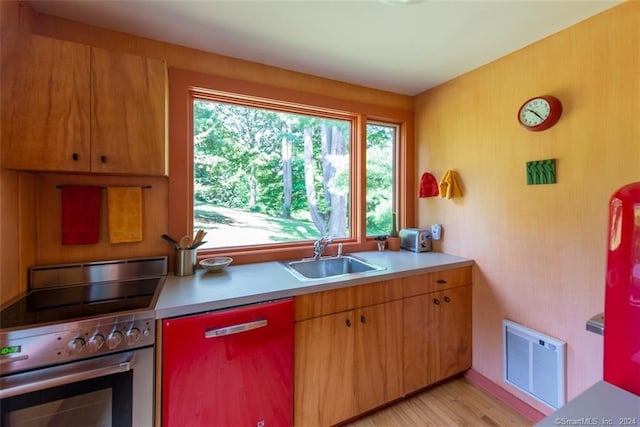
540,250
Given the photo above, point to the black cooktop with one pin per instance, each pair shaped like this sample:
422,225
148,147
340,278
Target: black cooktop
60,304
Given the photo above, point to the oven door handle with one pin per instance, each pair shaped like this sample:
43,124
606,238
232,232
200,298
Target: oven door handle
29,382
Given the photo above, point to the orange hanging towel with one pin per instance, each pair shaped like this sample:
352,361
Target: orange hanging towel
449,186
125,214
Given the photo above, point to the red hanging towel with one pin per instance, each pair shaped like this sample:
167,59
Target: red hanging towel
80,214
428,186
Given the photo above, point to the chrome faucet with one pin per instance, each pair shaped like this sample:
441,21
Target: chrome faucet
320,245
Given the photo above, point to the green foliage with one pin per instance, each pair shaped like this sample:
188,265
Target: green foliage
380,157
238,164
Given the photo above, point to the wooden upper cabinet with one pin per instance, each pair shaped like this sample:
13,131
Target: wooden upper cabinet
45,103
74,108
128,113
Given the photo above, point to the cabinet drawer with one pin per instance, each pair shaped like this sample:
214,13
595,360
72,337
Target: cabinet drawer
335,301
436,281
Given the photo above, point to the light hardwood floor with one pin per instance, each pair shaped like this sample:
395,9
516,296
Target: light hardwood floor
454,403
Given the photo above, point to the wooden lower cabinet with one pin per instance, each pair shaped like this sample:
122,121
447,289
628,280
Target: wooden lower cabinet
359,348
323,370
347,363
378,358
437,336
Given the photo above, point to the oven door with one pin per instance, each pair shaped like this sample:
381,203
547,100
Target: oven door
109,391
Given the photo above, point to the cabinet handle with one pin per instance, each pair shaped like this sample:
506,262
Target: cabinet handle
103,159
447,299
441,282
348,323
436,301
74,156
363,319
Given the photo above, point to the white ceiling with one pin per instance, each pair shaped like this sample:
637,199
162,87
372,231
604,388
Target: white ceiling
403,48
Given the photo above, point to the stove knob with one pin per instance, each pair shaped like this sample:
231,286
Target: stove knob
75,346
114,339
133,335
95,343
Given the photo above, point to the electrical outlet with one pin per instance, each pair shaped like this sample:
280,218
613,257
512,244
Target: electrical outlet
436,231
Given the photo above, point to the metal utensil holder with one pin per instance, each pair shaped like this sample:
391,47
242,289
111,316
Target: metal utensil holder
186,260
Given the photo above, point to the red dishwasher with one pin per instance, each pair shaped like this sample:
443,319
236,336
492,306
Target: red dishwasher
230,367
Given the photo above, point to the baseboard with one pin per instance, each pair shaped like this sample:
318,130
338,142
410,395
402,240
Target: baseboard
522,408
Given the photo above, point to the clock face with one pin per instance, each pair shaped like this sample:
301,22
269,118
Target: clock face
540,113
534,112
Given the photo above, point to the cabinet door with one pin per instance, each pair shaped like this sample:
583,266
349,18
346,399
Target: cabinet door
45,103
419,329
324,370
378,355
437,336
452,348
128,113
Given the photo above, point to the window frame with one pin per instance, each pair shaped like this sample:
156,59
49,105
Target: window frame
182,87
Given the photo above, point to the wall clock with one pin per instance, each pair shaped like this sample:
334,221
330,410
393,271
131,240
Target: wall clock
540,113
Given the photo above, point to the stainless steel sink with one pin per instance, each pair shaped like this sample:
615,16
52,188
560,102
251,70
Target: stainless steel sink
329,267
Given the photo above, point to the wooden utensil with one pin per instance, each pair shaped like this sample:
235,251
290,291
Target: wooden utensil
199,236
185,242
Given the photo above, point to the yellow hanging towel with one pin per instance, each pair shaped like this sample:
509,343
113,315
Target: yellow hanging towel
449,187
125,214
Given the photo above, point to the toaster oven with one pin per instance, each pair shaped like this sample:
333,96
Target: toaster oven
415,239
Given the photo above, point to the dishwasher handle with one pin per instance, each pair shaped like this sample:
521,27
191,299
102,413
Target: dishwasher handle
235,329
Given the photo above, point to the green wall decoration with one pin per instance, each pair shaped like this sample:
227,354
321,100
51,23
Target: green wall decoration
541,172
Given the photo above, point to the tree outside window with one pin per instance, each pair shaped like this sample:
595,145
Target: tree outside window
264,176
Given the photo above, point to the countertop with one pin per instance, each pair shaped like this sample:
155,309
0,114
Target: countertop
252,283
602,404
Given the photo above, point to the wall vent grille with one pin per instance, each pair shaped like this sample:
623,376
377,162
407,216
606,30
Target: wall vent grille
534,363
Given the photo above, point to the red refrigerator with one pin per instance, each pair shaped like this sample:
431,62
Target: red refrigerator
622,295
616,399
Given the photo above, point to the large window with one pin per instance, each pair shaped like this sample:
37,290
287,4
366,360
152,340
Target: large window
264,174
267,170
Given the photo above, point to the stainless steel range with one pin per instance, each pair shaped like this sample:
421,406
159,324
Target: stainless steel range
78,349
